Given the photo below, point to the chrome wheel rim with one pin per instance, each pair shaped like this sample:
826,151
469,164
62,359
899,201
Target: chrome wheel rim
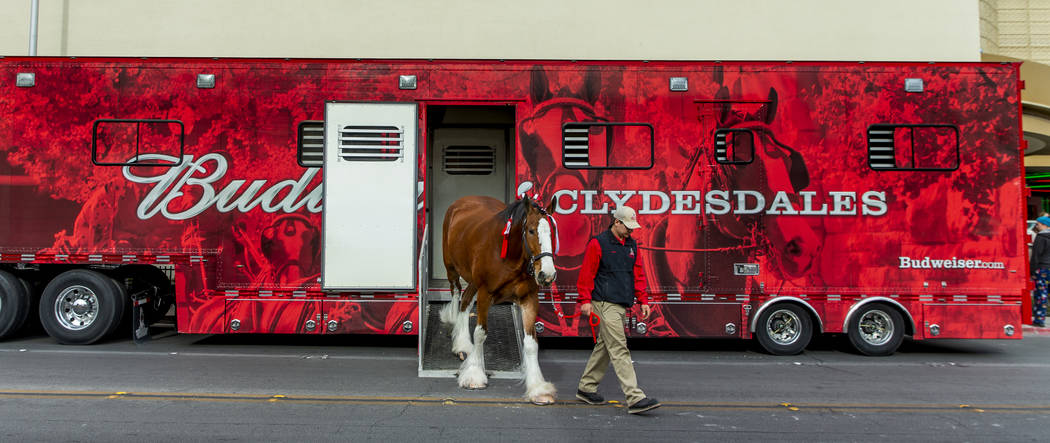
76,307
876,327
783,327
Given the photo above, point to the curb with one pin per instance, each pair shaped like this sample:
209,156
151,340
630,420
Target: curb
1028,330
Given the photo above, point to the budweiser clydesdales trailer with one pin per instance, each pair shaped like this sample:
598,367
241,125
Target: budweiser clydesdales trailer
778,200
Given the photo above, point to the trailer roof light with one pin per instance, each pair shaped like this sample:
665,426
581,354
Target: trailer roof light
679,84
913,85
25,80
205,81
406,82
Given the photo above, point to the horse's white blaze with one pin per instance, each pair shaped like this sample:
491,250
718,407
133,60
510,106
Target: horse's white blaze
544,233
472,370
535,385
460,337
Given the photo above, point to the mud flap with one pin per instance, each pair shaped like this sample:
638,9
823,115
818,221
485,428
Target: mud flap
139,317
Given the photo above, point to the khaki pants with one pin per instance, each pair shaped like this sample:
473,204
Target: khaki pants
611,346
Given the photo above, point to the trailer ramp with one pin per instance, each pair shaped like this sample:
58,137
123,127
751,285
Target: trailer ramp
503,353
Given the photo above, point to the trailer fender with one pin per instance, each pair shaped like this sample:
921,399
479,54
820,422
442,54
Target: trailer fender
813,312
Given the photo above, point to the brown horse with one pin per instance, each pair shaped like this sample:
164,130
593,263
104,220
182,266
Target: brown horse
504,254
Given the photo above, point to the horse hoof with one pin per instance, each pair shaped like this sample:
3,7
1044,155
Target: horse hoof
477,387
543,400
462,355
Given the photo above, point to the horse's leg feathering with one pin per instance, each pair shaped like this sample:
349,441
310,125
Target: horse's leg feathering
538,390
472,371
448,312
461,345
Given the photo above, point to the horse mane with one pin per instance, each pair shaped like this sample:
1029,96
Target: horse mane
516,212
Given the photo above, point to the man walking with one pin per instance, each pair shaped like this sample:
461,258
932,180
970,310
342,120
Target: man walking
610,280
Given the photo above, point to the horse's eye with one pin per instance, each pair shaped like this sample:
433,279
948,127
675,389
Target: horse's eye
532,231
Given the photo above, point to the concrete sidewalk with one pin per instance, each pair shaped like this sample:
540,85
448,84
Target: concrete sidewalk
1029,330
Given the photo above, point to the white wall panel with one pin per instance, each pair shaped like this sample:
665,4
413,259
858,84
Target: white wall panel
545,29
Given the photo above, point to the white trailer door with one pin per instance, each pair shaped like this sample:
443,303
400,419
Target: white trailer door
369,220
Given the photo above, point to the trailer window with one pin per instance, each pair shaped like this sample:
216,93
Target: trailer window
734,146
600,145
137,142
469,160
310,144
913,147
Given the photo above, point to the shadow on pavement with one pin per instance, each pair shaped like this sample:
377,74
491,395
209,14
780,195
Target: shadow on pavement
819,344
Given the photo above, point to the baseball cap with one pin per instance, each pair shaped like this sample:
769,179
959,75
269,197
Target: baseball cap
627,216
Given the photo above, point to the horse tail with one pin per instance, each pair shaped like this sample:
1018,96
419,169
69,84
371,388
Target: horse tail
446,250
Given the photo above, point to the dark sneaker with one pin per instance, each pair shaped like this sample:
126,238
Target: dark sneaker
591,398
645,404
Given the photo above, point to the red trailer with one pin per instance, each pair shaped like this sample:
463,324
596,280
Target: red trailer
778,200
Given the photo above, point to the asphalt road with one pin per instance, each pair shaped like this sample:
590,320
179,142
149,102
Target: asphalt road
359,388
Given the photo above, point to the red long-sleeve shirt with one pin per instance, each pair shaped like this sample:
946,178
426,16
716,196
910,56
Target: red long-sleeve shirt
591,258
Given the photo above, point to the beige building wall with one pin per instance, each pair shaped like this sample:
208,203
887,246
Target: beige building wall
989,10
1019,30
1016,28
907,30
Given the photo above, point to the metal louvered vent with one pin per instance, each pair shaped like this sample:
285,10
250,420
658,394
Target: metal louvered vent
371,143
574,146
734,146
720,147
311,144
880,147
469,160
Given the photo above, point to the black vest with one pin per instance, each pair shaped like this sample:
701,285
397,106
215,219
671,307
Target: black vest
614,281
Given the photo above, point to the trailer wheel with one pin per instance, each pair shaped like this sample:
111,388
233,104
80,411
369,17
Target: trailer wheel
876,329
784,329
14,303
82,306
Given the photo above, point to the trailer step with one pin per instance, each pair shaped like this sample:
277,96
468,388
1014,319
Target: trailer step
502,347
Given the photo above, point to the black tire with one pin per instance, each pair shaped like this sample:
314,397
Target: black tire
82,306
14,303
876,329
144,276
32,324
784,329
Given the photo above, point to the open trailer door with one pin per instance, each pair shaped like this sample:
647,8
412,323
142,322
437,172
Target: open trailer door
369,216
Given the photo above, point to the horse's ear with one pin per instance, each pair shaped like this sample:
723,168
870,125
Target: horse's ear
723,95
550,206
771,108
592,85
539,89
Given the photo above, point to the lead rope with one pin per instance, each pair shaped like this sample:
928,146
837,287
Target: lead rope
594,320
